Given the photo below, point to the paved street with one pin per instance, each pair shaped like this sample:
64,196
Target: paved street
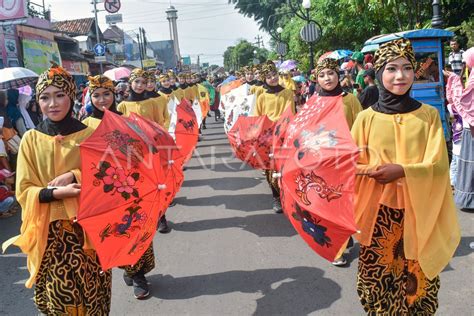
229,254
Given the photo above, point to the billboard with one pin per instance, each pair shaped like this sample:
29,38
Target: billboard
38,53
11,10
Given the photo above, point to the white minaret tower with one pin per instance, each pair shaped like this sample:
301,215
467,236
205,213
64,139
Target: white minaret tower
172,16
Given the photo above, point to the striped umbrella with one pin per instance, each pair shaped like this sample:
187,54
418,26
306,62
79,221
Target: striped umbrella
16,77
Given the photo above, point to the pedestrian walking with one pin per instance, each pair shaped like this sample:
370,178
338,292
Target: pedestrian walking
48,188
404,206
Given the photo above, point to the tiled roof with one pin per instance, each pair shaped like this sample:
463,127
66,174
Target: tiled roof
75,27
113,33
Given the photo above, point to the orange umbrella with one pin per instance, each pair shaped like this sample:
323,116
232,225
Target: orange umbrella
123,177
251,140
319,174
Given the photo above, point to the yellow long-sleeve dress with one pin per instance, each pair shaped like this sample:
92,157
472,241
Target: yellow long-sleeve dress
178,93
145,108
352,108
408,228
161,109
274,104
191,93
57,249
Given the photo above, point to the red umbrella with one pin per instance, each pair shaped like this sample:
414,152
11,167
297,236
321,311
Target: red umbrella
318,177
279,151
185,129
251,140
122,177
170,158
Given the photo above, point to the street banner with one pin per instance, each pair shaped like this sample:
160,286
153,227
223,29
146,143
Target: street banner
39,53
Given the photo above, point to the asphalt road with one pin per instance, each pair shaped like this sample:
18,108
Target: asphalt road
229,254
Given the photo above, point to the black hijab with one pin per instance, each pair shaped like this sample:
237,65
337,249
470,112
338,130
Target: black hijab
334,92
390,103
136,96
183,86
68,125
174,87
151,94
166,90
98,114
273,89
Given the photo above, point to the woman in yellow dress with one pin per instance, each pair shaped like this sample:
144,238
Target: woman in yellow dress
162,116
404,206
327,74
137,101
191,91
102,93
272,102
48,188
179,92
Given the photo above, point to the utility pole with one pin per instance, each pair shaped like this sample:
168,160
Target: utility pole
198,63
140,48
97,34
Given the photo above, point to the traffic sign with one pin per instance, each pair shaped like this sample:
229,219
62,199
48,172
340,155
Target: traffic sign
112,6
310,33
113,19
99,49
100,59
282,48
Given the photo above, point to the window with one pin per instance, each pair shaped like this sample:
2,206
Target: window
427,68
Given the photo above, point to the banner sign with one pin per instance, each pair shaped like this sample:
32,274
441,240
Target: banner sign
38,53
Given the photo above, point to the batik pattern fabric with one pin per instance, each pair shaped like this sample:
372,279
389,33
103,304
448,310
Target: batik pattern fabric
100,81
70,280
387,282
327,63
145,264
273,182
393,50
58,77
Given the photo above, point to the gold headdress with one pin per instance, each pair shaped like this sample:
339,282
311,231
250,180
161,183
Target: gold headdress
137,73
327,63
58,77
100,81
393,50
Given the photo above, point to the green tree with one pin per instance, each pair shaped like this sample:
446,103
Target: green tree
243,54
349,23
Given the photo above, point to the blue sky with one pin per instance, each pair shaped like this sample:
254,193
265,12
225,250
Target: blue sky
205,27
